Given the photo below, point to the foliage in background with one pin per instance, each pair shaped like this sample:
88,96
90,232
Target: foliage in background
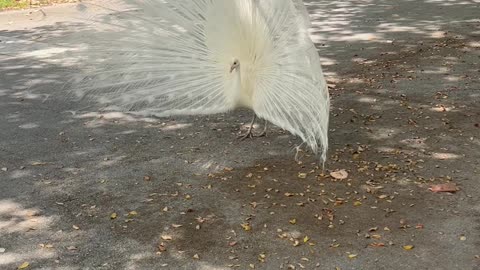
16,4
4,4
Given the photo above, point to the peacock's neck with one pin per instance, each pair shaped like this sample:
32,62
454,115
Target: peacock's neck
246,90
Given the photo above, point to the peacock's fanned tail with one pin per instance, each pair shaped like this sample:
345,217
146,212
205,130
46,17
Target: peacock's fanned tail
172,57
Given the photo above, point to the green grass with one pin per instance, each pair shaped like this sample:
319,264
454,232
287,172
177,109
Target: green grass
8,4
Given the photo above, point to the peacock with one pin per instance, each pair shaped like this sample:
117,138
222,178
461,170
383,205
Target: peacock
196,57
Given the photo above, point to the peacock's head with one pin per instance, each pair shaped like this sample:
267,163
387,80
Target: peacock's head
235,65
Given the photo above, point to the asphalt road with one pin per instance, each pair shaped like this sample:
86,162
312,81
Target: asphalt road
81,188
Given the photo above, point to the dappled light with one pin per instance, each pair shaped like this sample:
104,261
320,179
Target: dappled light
16,219
84,186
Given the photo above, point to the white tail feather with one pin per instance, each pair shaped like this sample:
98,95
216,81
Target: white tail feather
174,57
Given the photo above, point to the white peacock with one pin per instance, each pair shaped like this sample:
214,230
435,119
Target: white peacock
190,57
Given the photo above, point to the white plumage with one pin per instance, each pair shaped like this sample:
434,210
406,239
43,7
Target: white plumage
188,57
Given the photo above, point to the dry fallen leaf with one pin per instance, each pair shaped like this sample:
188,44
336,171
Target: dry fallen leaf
161,247
176,225
113,216
293,221
24,265
76,227
262,257
196,256
352,256
247,227
38,163
375,244
48,246
408,247
166,237
302,175
132,213
448,187
339,175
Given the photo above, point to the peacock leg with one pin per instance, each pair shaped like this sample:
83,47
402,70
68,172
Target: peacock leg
264,132
249,133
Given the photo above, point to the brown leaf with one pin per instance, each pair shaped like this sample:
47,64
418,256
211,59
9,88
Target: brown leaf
447,187
161,247
339,175
375,244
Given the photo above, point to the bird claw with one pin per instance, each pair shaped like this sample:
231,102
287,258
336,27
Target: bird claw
247,135
250,135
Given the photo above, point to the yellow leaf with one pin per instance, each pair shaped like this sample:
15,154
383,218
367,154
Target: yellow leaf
357,203
38,163
293,221
166,237
246,227
24,265
302,175
113,216
408,247
132,213
306,239
352,256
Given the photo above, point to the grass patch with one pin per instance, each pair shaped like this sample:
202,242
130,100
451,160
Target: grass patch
10,4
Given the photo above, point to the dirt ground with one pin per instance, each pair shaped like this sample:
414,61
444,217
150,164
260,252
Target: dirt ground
84,189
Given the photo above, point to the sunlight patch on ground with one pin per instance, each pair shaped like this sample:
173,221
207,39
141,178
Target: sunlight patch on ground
18,258
445,156
14,218
382,133
367,99
176,126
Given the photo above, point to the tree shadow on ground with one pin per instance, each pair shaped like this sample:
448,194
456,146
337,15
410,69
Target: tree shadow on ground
187,195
